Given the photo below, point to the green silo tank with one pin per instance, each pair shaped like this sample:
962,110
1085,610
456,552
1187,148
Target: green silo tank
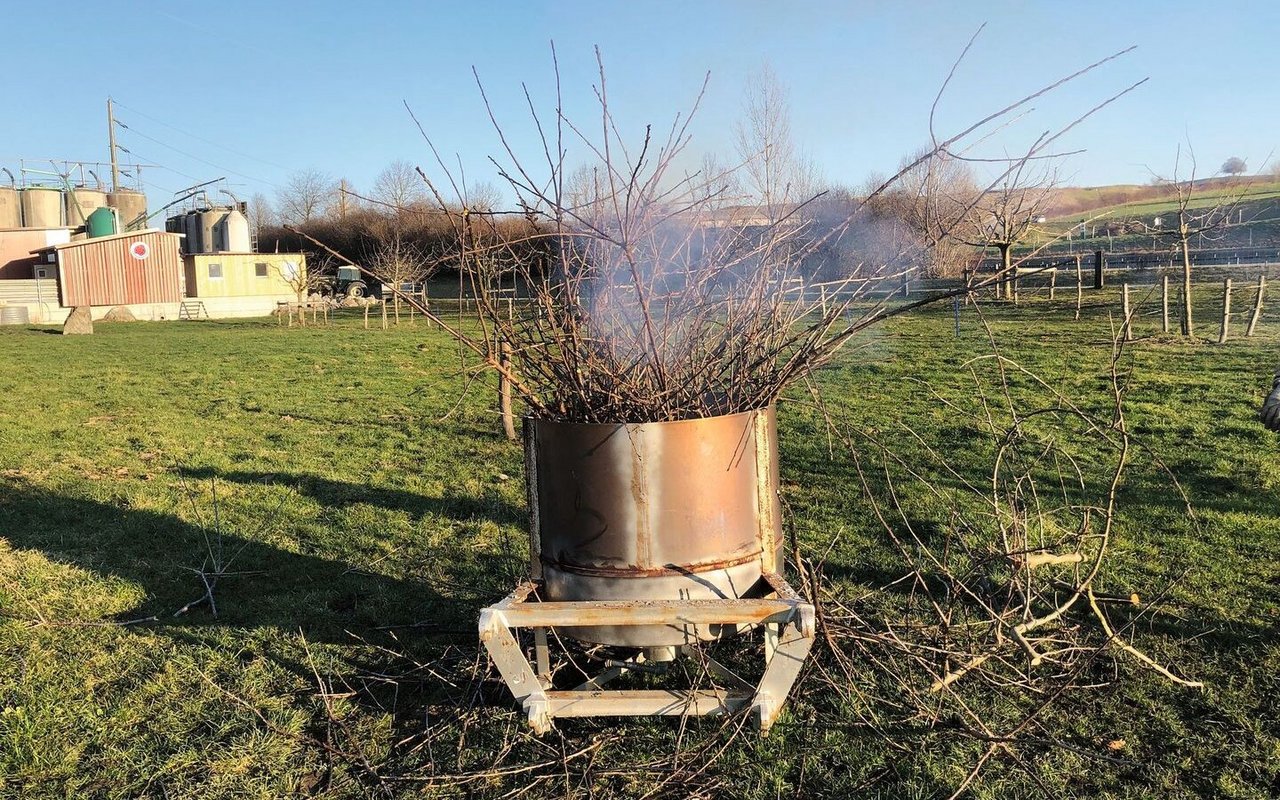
102,222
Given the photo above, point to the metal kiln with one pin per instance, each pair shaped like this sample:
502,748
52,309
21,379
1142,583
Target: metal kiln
652,536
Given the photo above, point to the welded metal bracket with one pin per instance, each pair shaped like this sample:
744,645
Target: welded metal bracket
789,631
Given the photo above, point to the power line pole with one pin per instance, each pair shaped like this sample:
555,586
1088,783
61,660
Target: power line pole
111,138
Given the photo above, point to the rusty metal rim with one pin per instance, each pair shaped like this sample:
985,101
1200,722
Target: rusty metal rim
651,572
540,421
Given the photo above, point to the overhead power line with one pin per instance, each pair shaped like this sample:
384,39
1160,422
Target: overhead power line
197,137
195,157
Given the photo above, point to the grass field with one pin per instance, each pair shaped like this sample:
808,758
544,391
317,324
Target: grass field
369,509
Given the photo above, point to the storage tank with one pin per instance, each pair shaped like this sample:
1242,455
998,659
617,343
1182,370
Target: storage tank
102,222
191,227
209,220
233,233
41,207
10,208
14,315
655,511
81,202
131,206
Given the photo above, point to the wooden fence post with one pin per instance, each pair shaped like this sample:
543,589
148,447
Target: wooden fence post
1164,303
1079,286
1257,305
504,392
1128,313
1099,262
1053,282
1226,311
366,316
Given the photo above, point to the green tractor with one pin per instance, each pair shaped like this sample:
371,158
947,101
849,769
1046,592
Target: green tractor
346,283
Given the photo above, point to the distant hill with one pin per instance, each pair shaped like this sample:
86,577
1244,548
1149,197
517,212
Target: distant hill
1074,203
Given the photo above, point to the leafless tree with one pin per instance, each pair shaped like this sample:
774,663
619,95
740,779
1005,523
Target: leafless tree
1006,213
484,197
399,186
261,213
775,172
1193,220
305,196
302,281
721,183
936,200
397,262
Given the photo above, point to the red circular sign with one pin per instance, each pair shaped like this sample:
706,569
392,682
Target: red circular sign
139,250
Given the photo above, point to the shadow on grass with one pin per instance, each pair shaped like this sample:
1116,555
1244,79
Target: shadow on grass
267,587
340,494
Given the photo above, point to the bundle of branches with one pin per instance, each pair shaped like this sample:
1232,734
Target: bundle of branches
999,611
654,303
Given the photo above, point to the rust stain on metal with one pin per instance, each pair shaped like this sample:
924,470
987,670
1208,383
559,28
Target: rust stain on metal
661,511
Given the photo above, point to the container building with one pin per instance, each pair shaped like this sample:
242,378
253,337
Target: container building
141,270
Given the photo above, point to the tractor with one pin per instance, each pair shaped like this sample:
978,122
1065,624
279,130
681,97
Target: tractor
346,283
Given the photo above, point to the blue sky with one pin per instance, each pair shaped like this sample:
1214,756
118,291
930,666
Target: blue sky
286,86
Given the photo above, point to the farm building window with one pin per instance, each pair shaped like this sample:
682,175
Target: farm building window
260,270
215,271
42,273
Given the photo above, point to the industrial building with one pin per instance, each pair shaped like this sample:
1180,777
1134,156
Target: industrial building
76,245
141,271
222,272
37,217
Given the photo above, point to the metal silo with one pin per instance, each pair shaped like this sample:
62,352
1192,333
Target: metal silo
41,207
131,205
233,233
191,227
81,202
10,208
208,222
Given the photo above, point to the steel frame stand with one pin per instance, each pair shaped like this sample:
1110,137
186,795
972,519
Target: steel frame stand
789,631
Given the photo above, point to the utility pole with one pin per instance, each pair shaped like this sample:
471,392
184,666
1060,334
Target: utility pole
342,199
111,138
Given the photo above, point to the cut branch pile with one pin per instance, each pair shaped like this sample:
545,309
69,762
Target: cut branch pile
655,300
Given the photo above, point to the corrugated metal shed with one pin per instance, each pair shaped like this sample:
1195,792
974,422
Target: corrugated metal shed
125,269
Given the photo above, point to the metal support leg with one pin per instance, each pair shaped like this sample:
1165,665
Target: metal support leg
789,630
783,668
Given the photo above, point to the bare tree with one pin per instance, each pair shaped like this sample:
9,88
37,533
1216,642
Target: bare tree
261,213
721,184
397,262
1006,213
484,196
1193,221
305,196
399,186
774,171
1234,166
936,199
302,281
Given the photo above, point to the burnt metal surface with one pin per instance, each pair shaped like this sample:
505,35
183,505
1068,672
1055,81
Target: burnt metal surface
655,511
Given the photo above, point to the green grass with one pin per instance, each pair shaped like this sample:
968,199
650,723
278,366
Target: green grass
362,489
1258,191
